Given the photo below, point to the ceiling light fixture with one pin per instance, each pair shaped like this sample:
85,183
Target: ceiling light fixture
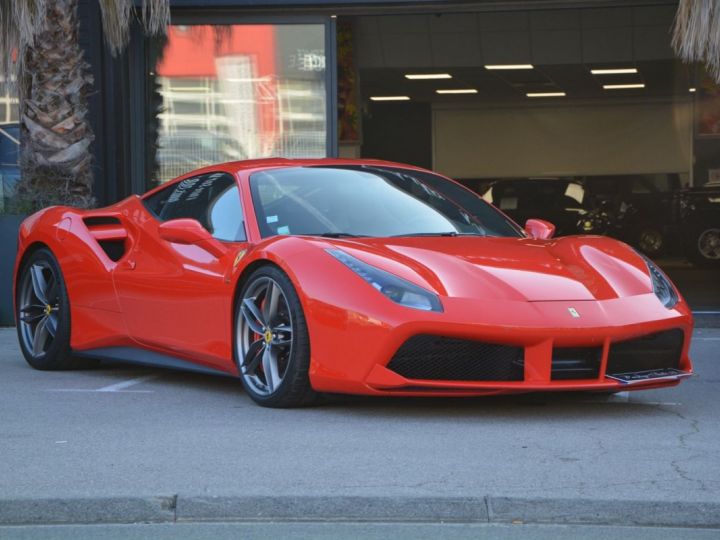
618,71
389,98
623,86
545,94
457,91
427,76
509,66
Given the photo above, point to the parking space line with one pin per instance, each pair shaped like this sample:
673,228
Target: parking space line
113,388
126,384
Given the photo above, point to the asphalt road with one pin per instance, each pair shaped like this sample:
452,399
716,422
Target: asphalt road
185,439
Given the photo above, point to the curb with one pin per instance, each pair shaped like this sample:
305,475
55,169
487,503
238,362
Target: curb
358,509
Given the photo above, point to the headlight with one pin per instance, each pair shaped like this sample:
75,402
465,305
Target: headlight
662,287
396,289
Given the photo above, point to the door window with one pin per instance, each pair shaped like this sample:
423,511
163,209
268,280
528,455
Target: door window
212,199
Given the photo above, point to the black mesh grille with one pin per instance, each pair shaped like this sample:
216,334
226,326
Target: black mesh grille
654,351
576,363
439,358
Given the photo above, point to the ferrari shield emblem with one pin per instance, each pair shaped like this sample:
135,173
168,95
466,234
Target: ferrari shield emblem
574,312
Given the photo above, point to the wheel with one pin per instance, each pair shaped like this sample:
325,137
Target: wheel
650,241
272,346
704,246
43,314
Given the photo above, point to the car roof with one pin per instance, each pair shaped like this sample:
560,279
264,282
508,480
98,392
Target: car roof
309,162
234,167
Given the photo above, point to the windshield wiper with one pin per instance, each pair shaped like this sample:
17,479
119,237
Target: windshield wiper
339,235
445,233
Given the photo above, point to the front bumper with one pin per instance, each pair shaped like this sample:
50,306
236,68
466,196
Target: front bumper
351,350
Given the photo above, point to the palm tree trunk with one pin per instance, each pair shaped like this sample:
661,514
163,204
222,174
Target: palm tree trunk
56,135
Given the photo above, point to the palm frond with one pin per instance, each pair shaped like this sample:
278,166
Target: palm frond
117,16
20,22
116,23
156,16
696,34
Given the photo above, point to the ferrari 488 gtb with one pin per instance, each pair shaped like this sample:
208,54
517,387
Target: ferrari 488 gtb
364,277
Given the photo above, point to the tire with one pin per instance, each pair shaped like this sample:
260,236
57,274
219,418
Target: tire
650,241
703,246
271,341
43,315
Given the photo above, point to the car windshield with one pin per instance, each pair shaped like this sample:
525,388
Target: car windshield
370,201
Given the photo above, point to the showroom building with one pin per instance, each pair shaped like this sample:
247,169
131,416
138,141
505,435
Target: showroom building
484,90
577,110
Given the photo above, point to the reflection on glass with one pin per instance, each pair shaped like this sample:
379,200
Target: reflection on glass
237,92
9,146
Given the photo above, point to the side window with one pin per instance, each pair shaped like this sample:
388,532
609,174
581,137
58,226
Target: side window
225,215
212,199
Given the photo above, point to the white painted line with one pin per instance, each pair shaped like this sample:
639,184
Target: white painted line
113,388
621,396
126,384
619,402
708,338
99,391
706,312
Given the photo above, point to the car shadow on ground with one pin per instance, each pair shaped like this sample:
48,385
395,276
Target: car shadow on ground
521,405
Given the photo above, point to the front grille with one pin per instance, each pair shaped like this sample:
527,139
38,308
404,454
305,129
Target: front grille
438,358
654,351
576,363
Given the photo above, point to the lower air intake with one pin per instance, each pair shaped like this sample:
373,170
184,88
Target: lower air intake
574,363
654,351
438,358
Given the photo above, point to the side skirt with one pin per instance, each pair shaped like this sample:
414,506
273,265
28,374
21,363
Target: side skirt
145,357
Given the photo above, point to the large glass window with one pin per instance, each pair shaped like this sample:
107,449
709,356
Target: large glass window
231,92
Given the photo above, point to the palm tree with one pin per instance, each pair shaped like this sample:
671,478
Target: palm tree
696,37
40,50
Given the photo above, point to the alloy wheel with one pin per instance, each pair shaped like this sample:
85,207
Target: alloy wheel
265,336
650,241
39,307
709,244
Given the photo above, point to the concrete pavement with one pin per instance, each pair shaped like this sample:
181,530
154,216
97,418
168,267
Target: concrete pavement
127,444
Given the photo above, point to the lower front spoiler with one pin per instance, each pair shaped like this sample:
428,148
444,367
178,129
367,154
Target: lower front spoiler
383,381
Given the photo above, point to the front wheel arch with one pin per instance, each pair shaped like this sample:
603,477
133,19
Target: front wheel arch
295,389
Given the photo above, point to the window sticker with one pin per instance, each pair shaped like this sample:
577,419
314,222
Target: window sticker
283,230
271,219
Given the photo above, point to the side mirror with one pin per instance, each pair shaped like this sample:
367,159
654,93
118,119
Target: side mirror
539,229
190,232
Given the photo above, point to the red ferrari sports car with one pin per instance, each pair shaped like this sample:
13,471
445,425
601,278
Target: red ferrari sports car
350,276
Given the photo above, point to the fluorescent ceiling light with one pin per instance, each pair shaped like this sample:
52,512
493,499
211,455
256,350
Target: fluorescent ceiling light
623,86
458,91
426,76
618,71
691,89
545,94
509,66
389,98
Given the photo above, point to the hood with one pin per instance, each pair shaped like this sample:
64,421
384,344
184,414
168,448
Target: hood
571,268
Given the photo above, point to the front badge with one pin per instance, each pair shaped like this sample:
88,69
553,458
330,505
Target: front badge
574,312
